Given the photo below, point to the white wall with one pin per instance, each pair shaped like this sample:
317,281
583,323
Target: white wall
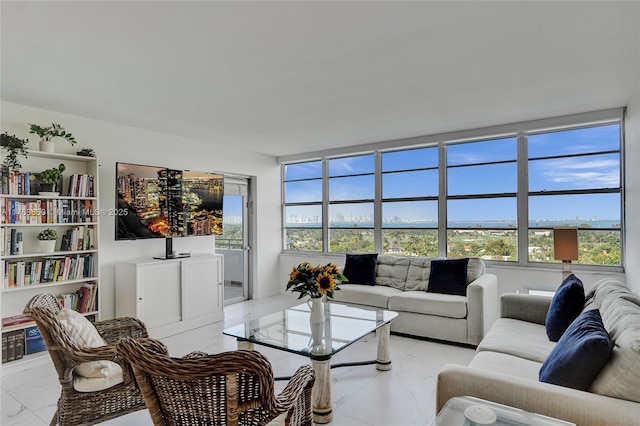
632,194
114,143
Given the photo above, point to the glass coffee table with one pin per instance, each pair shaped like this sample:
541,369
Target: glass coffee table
291,330
470,411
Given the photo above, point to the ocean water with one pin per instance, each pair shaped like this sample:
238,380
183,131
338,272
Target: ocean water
605,224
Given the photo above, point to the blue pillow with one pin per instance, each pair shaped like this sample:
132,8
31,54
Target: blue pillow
361,268
580,354
566,305
448,276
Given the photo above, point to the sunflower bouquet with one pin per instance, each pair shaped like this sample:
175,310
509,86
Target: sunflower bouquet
315,281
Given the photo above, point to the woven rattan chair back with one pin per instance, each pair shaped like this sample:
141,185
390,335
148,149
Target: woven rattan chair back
85,408
230,388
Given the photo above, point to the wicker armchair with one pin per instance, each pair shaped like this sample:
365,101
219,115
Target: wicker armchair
230,388
86,408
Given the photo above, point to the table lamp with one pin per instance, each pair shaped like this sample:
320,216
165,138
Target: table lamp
565,247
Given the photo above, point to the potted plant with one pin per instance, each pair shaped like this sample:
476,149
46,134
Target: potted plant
14,146
86,152
47,239
49,179
48,133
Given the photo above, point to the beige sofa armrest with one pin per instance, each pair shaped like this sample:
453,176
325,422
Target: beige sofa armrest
482,306
525,307
581,408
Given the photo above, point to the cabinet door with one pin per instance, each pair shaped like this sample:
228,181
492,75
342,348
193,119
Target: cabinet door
200,287
159,294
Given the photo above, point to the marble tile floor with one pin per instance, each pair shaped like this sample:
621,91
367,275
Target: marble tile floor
362,395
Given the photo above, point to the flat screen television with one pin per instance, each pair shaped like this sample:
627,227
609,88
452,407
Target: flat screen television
159,202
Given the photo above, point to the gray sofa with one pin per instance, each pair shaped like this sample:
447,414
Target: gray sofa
507,361
401,282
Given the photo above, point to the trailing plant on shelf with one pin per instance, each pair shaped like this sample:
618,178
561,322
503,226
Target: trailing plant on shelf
47,133
47,235
14,146
52,176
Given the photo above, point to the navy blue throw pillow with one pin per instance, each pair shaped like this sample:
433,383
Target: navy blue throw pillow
448,276
361,268
581,353
566,305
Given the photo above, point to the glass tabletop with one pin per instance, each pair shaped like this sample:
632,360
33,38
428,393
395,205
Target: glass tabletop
463,410
291,330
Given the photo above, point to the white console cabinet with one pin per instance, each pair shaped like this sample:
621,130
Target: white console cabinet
171,296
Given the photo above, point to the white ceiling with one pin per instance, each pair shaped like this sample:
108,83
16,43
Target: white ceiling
290,77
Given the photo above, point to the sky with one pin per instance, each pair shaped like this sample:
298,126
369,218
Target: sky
468,175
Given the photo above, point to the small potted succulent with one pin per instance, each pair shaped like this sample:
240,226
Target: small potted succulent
86,152
47,239
48,133
50,179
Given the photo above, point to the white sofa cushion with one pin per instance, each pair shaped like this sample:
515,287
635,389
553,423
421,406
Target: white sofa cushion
418,273
620,311
519,338
371,295
506,364
392,271
421,302
475,269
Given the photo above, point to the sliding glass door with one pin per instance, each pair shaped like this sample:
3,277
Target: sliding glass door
233,243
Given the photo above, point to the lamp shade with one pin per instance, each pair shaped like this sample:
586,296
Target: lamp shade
565,243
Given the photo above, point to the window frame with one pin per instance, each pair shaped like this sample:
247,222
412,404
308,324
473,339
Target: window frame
521,131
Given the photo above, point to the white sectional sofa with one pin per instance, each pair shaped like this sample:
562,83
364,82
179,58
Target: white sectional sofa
400,285
508,360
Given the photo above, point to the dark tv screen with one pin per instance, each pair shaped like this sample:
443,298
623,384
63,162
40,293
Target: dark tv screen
158,202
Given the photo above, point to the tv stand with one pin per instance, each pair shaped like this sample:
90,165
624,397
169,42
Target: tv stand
169,254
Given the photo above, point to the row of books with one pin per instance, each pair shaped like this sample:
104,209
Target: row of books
49,269
81,185
28,183
18,343
46,211
13,345
69,300
83,300
80,237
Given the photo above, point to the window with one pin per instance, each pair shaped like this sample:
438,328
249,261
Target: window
482,179
574,179
303,206
495,197
351,195
410,202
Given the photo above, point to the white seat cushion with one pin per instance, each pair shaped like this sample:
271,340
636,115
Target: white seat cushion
421,302
519,338
86,335
371,295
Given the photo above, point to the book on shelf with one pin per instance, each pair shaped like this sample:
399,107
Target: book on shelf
33,341
4,347
15,320
15,344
